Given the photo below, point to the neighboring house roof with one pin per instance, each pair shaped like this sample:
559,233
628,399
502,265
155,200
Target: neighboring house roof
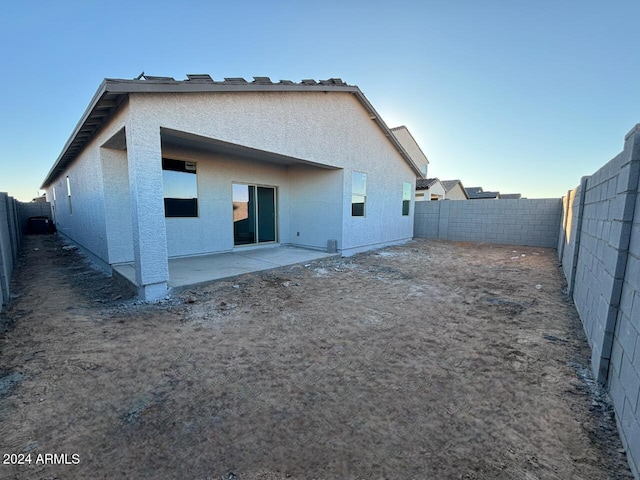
450,184
476,193
403,135
510,196
113,93
425,183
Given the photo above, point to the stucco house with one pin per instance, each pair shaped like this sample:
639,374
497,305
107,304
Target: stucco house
158,168
425,188
454,190
429,189
403,135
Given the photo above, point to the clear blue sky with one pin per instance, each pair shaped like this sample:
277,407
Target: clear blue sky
513,96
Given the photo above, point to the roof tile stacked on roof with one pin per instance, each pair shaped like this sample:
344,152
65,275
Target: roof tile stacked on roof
206,78
199,77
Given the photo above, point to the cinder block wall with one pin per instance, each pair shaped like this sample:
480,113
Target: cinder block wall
10,238
568,232
599,248
14,220
532,222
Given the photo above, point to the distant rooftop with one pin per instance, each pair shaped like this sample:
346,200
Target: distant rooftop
424,183
449,184
510,196
477,193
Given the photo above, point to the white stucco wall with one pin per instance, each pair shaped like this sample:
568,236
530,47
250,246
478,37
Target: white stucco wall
212,230
316,197
332,129
409,143
384,222
309,203
117,200
86,224
144,162
435,189
314,204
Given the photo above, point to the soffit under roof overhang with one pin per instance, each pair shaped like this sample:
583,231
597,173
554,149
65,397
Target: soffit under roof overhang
113,93
191,142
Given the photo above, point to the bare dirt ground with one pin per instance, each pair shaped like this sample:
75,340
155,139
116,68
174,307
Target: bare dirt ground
426,361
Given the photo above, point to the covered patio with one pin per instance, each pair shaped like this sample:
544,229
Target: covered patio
195,270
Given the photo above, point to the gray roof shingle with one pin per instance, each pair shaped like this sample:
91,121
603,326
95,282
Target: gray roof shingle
449,184
476,193
510,196
424,183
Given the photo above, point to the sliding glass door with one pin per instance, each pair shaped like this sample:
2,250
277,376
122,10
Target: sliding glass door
254,214
266,217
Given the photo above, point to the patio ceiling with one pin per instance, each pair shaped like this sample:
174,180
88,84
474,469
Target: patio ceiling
188,141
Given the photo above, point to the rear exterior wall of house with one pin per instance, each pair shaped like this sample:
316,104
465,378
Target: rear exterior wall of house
314,203
327,129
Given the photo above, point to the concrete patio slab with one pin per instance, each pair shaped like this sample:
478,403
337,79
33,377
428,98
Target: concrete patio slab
187,271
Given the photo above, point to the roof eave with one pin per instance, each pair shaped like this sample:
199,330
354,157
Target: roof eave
464,190
414,141
102,90
125,87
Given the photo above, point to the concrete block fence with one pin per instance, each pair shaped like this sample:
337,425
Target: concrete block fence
532,222
14,222
10,238
599,249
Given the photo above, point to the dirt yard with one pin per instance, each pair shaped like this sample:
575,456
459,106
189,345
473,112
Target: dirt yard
428,361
